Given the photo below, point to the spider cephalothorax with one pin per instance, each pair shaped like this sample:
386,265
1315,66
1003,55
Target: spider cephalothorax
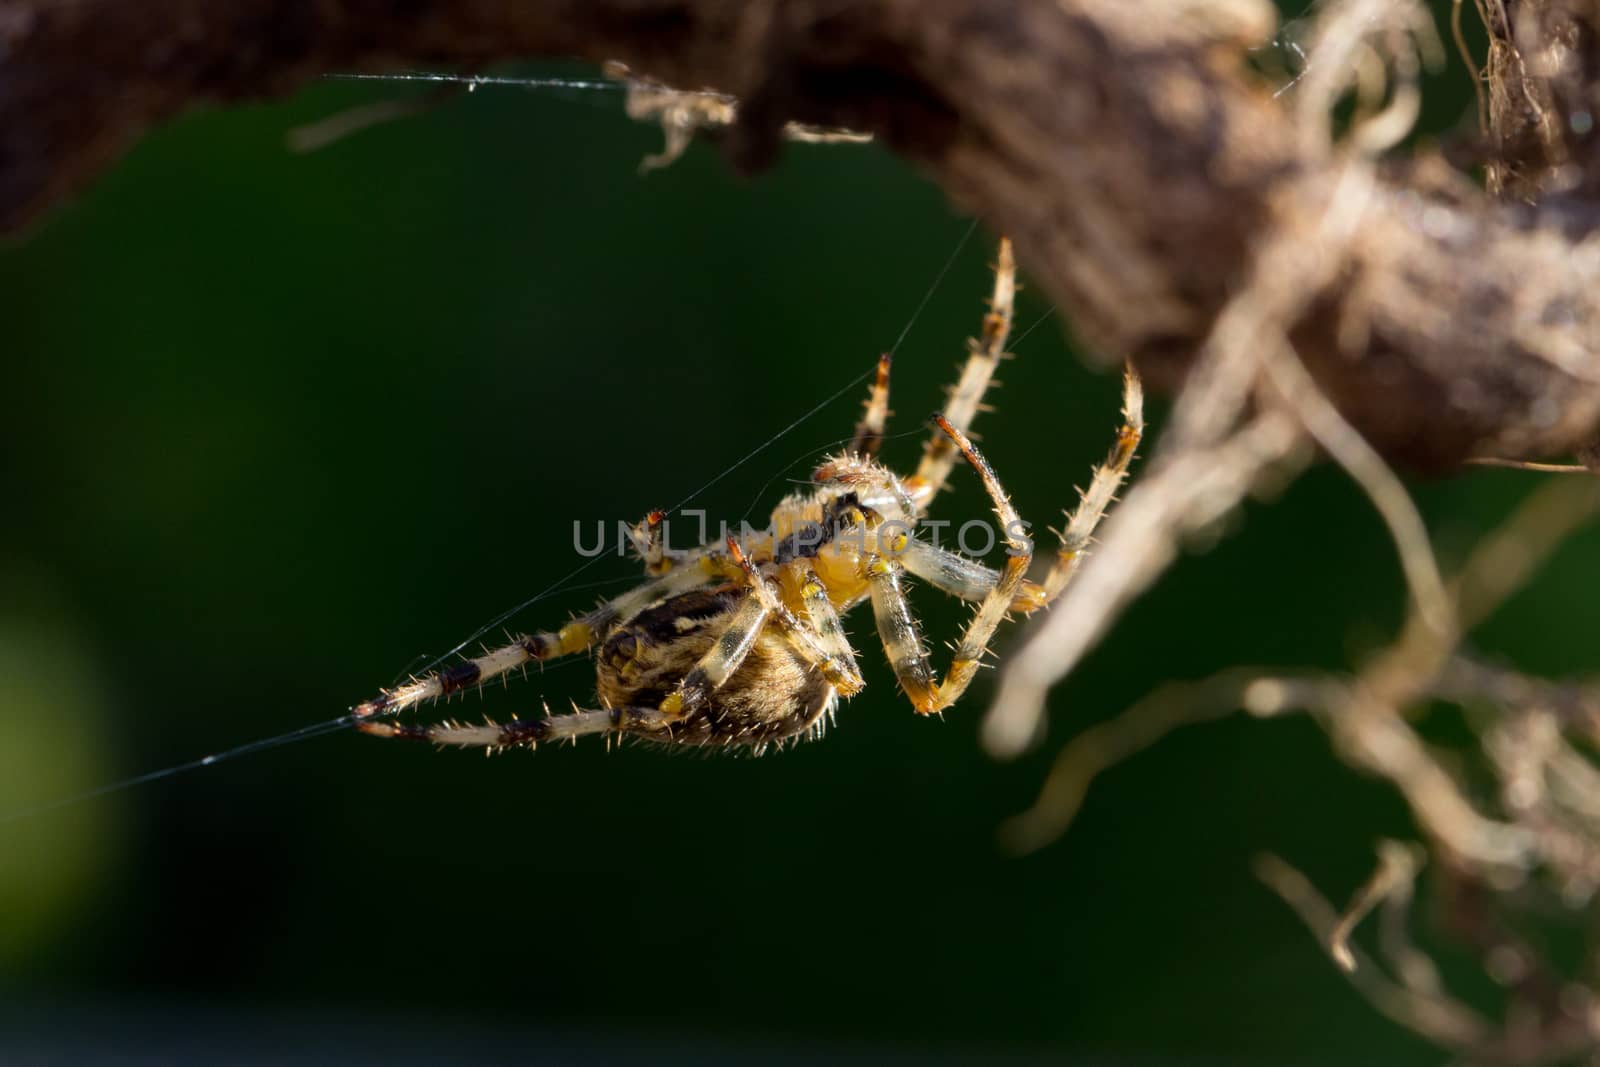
740,642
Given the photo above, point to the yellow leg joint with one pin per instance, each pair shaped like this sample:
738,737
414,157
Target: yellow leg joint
1030,598
575,637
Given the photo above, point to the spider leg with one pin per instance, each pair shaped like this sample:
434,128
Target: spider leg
1107,479
822,642
899,632
869,431
522,732
649,539
576,636
898,628
971,580
829,632
719,663
964,577
966,399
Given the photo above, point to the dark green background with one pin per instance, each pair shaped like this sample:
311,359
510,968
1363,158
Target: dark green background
277,424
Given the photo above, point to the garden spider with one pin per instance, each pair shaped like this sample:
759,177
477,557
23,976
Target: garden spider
740,643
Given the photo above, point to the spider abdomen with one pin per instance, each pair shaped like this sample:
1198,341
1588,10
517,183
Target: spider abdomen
773,694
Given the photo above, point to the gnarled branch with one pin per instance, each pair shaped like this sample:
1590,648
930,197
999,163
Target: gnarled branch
1124,145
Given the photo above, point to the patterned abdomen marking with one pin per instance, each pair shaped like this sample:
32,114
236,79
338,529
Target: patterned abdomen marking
774,694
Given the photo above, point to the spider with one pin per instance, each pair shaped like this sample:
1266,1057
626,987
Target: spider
740,643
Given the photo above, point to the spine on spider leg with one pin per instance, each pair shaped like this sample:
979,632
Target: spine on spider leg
1108,478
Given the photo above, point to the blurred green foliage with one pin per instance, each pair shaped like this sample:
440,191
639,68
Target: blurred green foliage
280,423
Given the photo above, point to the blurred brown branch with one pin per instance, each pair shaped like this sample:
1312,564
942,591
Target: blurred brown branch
1125,146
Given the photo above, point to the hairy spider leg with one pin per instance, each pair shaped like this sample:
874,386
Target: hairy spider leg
869,431
821,643
1103,486
966,398
964,577
719,663
530,733
649,540
898,628
969,579
581,633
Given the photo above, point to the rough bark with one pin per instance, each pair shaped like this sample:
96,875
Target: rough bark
1123,144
